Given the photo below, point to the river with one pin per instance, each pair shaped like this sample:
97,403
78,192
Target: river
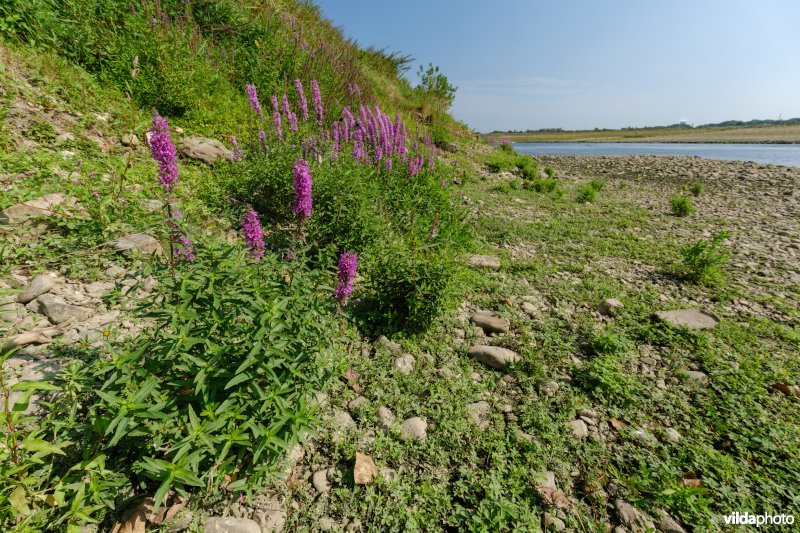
773,154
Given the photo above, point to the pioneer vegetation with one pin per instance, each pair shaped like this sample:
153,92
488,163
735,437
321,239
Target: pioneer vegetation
252,278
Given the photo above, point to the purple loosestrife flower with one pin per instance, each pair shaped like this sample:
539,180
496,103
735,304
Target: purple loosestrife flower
337,141
434,229
253,235
276,117
348,263
252,95
287,109
298,85
164,153
302,189
317,97
237,152
358,144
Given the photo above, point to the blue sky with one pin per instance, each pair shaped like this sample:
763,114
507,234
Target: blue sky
522,64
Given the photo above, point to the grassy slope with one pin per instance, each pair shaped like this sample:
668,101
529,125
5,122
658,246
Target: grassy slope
754,134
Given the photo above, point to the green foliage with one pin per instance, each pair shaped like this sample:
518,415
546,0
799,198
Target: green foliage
435,88
505,147
604,376
597,184
586,194
546,185
409,286
211,398
703,260
681,205
551,173
696,188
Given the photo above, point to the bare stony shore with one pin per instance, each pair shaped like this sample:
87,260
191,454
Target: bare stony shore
759,205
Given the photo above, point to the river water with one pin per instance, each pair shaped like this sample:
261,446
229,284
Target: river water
774,154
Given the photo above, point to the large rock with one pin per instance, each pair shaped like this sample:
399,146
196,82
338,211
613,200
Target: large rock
632,518
689,318
43,206
484,261
204,149
491,322
494,356
58,311
415,428
364,470
405,363
480,412
218,524
137,242
38,286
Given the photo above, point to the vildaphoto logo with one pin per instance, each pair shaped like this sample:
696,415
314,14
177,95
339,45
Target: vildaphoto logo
742,519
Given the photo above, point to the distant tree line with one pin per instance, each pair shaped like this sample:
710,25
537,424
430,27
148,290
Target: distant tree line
727,123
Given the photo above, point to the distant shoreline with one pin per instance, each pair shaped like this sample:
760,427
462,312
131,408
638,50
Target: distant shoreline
788,134
649,142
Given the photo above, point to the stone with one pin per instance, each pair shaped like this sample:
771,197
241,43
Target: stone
151,206
697,376
529,309
689,318
149,284
667,524
632,518
115,272
137,242
43,206
218,524
491,322
550,389
62,138
357,403
57,311
129,139
39,285
405,363
480,412
24,369
326,523
484,261
552,523
181,522
204,149
609,307
98,288
494,356
342,423
579,429
364,470
320,481
385,344
270,520
385,418
415,428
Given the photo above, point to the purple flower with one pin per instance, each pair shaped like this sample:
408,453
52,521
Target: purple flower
434,229
302,189
317,97
237,152
164,153
348,263
253,96
253,235
301,95
276,117
184,249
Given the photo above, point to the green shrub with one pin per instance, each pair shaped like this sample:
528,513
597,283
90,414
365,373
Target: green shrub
211,398
696,188
542,185
702,261
408,286
528,168
551,173
597,184
586,194
505,147
681,205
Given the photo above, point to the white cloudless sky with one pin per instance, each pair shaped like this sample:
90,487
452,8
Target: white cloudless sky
574,64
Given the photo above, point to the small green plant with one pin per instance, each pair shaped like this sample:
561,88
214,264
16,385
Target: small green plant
681,205
542,185
696,188
597,184
702,261
586,194
505,147
551,173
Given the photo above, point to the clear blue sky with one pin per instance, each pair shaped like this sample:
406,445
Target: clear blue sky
522,64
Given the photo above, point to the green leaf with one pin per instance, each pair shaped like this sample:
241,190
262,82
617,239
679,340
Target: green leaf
237,379
18,501
39,445
34,385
